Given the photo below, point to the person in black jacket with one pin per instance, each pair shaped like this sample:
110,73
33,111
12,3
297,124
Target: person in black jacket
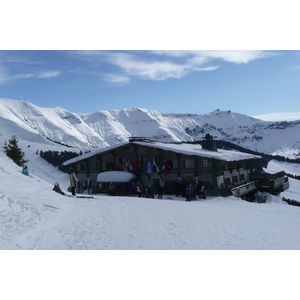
160,192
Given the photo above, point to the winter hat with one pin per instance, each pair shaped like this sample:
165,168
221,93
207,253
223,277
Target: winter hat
56,183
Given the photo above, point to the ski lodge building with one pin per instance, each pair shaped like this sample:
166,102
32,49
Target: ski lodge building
166,164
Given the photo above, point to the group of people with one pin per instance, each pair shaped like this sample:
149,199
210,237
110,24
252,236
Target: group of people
144,191
132,189
138,188
191,193
73,184
56,188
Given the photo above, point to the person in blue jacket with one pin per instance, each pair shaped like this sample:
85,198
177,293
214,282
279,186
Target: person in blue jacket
189,192
25,171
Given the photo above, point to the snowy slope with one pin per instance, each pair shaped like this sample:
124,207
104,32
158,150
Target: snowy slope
34,217
104,128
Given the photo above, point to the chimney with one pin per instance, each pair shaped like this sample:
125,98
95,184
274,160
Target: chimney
208,143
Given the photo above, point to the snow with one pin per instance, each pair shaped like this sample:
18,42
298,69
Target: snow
115,176
108,128
33,217
275,166
187,149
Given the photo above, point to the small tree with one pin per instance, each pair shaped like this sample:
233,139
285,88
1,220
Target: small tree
13,151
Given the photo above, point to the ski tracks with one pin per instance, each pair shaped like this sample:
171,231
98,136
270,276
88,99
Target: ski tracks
17,217
121,223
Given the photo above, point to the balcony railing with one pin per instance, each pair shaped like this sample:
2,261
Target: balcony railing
244,189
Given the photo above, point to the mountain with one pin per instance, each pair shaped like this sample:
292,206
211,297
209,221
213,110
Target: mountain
103,128
33,216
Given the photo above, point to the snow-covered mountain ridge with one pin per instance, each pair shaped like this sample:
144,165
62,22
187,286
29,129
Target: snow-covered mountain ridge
103,128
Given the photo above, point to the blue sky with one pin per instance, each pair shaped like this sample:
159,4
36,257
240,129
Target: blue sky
256,83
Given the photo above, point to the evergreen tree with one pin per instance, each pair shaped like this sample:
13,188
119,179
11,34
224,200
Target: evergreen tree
13,151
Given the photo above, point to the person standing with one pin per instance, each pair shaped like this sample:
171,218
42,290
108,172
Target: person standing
73,182
189,191
133,188
139,189
160,192
143,191
152,191
193,195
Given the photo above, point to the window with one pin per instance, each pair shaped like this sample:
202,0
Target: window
205,163
189,163
227,181
175,164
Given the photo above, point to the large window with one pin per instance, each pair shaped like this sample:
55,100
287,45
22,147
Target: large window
189,163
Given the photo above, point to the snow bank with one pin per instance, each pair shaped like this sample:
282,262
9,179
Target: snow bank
269,198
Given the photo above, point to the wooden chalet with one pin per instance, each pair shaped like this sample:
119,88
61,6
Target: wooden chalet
168,164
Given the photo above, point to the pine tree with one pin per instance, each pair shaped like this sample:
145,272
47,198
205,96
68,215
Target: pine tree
13,151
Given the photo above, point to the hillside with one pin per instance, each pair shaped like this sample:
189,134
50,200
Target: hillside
35,217
102,128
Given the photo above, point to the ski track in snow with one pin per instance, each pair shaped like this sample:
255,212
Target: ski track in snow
128,223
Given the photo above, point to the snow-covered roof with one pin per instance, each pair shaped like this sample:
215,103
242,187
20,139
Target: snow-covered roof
183,148
115,176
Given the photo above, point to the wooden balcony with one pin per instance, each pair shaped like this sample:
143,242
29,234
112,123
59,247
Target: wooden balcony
271,183
244,189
